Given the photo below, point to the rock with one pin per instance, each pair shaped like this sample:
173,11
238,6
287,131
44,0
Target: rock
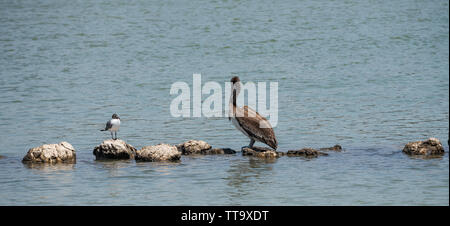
114,149
2,157
51,153
305,152
160,152
259,152
214,151
193,147
432,146
336,147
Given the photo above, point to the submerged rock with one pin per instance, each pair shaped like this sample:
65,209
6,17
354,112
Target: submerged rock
193,147
156,153
305,152
51,153
336,147
432,146
114,149
214,151
260,152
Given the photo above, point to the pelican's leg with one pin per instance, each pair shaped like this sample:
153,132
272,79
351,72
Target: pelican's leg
251,143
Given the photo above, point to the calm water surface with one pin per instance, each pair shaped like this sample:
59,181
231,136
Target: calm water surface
369,75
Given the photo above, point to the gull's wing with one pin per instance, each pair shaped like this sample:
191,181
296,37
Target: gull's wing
108,125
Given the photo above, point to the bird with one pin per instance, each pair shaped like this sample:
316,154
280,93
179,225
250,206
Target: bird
113,125
248,121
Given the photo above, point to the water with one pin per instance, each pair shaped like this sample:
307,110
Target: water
369,75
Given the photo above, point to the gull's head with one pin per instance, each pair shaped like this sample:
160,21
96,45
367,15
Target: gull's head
115,116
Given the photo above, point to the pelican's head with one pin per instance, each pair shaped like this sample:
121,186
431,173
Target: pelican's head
115,116
236,84
235,79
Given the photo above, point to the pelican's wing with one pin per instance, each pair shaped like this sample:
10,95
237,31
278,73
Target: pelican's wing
257,126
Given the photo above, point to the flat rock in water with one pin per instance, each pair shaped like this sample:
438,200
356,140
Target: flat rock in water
259,152
336,148
114,149
51,153
432,146
156,153
193,147
305,152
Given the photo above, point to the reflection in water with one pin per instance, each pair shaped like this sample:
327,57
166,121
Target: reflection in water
49,167
113,166
441,156
164,168
243,173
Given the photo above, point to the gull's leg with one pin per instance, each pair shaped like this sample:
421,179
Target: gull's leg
112,137
115,133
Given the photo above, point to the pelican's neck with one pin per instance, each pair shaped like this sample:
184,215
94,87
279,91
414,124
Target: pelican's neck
235,89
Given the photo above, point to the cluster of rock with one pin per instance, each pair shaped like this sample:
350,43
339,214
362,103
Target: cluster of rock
262,152
431,146
119,149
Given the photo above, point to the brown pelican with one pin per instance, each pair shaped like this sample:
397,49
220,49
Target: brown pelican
248,121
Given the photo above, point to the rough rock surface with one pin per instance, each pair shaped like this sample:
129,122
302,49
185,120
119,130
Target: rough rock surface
259,152
114,149
193,147
160,152
432,146
51,153
336,148
305,152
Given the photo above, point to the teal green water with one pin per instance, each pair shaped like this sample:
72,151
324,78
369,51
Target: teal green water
369,75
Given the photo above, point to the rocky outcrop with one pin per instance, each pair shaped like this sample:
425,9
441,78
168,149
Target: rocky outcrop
156,153
114,149
305,152
51,153
193,147
336,148
260,152
432,146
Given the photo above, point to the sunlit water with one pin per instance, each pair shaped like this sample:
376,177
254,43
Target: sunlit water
369,75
